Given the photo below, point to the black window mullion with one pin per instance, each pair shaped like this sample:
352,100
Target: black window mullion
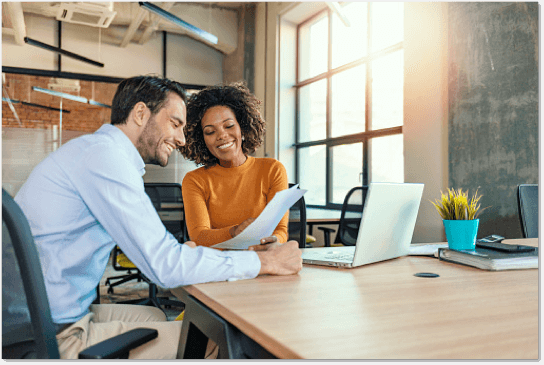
297,107
328,154
353,137
364,138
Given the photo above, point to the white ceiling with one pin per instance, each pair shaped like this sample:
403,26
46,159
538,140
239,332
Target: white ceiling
214,17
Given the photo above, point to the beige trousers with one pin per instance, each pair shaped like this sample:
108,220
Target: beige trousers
108,320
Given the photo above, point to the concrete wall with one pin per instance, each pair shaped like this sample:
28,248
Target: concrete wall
494,101
240,64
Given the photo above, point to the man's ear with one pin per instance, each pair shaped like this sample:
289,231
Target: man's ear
140,113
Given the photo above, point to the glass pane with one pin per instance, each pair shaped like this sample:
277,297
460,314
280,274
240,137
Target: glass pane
348,102
387,159
387,91
347,165
312,169
312,124
349,43
387,24
313,51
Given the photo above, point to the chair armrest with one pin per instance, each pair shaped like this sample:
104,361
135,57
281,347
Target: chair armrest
120,345
327,230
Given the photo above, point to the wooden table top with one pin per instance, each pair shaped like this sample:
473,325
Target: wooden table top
382,311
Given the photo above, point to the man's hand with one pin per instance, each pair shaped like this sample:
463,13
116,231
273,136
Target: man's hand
280,259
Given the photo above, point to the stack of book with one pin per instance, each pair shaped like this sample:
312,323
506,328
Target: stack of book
519,257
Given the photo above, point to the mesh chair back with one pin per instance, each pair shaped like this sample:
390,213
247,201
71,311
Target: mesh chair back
297,222
27,327
350,218
528,209
168,201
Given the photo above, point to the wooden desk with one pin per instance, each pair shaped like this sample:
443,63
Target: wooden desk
382,311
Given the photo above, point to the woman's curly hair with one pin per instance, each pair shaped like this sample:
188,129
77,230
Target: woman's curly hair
244,105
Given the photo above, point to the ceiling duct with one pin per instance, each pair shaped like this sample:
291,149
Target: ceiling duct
94,14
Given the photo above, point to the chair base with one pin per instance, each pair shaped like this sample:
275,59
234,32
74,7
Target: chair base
124,279
153,300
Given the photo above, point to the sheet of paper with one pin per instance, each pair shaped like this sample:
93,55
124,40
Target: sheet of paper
266,222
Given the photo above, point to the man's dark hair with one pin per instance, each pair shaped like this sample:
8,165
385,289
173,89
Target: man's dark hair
151,90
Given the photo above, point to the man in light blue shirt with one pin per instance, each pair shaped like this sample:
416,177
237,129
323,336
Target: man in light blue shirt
89,195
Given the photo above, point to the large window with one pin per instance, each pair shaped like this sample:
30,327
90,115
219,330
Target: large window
349,83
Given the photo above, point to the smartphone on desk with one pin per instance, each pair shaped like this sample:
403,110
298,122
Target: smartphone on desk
489,239
494,242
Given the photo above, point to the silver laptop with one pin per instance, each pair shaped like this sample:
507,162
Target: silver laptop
387,225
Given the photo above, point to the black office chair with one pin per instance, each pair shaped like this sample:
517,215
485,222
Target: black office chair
28,331
350,218
167,200
528,209
296,229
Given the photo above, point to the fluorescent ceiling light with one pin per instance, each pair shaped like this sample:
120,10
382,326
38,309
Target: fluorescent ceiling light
45,107
35,105
10,100
174,19
92,102
61,51
81,99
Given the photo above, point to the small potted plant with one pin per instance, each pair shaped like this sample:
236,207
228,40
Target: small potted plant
460,218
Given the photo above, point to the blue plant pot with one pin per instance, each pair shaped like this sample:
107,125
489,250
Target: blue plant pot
461,234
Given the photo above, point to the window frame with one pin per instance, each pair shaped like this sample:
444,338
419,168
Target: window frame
365,137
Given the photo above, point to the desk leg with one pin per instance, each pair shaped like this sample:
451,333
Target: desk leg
201,323
194,342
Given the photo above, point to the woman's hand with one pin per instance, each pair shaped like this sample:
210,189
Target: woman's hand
265,242
236,230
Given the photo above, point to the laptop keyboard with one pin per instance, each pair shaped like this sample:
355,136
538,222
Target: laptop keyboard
337,255
340,257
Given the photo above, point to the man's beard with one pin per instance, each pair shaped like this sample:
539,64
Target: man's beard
148,142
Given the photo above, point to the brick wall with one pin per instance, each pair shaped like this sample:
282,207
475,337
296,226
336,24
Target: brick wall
82,117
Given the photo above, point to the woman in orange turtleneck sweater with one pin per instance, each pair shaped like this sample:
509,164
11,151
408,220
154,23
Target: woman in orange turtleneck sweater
224,196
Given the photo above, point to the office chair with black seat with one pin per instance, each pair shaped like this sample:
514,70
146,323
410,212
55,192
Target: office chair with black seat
350,219
167,200
28,331
297,224
528,209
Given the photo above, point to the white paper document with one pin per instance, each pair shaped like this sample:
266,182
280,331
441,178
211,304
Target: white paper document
266,222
